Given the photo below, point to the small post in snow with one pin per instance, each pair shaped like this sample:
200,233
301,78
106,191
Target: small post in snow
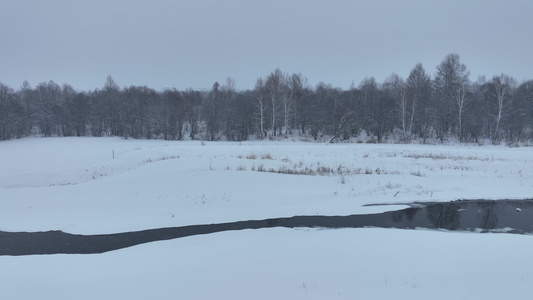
113,154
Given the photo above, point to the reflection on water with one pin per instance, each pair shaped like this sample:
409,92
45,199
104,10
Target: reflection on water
489,218
512,216
509,216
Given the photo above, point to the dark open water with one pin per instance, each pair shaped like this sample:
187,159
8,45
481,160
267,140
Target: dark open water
509,216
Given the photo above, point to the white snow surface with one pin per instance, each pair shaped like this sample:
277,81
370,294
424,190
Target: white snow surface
106,185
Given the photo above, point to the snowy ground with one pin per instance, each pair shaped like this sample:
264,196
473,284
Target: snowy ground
76,185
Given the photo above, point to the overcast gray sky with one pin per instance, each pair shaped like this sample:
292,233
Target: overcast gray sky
181,44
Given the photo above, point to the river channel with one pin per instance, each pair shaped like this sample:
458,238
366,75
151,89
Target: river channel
482,216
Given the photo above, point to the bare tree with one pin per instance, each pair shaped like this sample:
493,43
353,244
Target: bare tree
521,123
27,97
462,105
193,101
396,88
47,108
343,122
230,111
500,91
174,115
135,114
297,85
112,98
275,86
451,76
80,114
260,106
418,91
66,110
378,107
212,111
322,111
11,112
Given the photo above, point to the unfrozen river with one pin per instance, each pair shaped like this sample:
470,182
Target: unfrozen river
506,216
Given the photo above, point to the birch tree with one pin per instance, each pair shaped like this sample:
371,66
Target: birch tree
462,105
275,86
500,92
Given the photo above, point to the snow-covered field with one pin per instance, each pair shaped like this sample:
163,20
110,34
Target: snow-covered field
105,185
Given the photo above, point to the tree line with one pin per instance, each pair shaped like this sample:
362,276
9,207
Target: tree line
447,105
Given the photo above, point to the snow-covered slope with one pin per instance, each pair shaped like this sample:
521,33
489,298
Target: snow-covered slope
75,184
